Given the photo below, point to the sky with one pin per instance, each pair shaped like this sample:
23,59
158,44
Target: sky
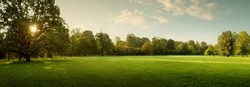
180,20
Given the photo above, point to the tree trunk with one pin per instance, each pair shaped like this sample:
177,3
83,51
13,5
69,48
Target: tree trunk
27,56
8,56
20,57
50,55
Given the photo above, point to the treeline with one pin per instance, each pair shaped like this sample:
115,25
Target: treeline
231,43
86,43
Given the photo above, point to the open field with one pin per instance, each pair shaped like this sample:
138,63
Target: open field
128,71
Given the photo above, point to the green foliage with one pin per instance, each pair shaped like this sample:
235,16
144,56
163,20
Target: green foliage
121,47
83,43
147,48
170,47
134,43
243,43
227,43
210,51
16,17
159,46
104,44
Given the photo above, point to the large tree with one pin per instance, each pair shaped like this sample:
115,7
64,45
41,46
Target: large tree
134,43
170,47
226,43
243,43
104,44
121,47
147,48
159,46
210,50
75,37
16,19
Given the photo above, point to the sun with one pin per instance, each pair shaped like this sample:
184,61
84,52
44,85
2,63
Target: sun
33,28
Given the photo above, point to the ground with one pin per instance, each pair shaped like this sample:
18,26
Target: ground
128,71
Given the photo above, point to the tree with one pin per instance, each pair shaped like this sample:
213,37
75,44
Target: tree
198,48
134,43
2,48
191,49
75,42
179,48
243,43
104,44
16,17
170,46
204,46
210,51
88,40
147,48
57,41
159,46
226,43
121,47
185,50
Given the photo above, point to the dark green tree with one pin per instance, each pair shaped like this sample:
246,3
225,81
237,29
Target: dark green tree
104,44
159,46
210,51
203,47
147,48
226,43
134,43
75,36
170,47
243,43
89,43
121,47
16,18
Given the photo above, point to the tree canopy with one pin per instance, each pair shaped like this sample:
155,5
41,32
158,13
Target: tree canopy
16,18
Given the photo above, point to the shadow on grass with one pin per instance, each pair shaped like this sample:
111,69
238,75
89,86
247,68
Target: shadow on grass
36,61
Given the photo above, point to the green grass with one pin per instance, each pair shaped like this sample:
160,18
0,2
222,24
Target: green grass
128,71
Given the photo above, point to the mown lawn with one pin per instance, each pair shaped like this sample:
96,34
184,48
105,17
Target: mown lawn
128,71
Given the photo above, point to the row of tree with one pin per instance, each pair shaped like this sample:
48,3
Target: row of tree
86,43
231,43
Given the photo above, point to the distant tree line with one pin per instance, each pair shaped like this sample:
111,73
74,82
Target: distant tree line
86,43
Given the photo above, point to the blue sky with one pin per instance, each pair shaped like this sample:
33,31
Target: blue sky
181,20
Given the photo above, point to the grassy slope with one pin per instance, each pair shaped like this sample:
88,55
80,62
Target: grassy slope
127,71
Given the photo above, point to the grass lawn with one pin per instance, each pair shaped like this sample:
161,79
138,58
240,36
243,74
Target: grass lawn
128,71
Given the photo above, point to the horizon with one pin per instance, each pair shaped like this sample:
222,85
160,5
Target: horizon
180,20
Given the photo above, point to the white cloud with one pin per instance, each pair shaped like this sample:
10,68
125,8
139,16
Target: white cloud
195,8
160,19
143,2
127,17
136,1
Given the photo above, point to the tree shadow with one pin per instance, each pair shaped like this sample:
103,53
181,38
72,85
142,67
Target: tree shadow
36,61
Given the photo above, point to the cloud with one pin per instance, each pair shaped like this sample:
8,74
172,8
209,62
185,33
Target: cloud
137,1
143,2
160,19
127,17
194,8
